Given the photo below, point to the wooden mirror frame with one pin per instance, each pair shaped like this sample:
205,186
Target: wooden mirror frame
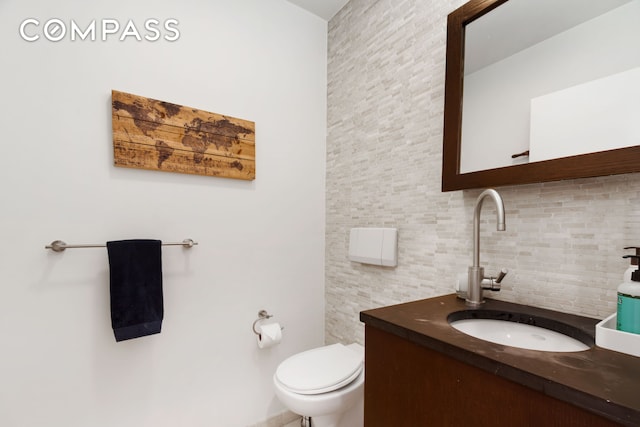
610,162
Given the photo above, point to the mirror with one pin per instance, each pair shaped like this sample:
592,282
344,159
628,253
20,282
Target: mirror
560,102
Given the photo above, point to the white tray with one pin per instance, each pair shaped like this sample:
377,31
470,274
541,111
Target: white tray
607,336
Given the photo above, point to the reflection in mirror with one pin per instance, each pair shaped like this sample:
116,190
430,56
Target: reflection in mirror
555,108
545,79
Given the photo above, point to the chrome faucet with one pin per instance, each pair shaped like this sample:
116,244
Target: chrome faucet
477,281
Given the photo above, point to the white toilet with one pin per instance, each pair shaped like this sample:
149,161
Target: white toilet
325,384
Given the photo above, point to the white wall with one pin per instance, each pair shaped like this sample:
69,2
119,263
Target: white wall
261,243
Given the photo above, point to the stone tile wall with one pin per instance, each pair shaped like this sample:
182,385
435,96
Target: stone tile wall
563,242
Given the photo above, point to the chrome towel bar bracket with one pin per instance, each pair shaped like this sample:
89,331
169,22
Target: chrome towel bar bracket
59,245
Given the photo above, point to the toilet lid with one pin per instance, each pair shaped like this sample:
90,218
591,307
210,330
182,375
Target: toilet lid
320,370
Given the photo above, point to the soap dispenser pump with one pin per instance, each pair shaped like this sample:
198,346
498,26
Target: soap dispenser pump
628,314
633,264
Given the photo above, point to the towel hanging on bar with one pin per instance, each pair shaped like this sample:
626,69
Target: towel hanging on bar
135,283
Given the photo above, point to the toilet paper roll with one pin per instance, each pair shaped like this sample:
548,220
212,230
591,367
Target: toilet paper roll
269,335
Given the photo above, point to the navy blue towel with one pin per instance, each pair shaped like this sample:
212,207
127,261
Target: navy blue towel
135,277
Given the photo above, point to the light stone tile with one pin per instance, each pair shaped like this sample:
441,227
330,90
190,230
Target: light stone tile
564,240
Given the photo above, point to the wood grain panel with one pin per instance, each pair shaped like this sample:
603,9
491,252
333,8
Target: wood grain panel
407,385
157,135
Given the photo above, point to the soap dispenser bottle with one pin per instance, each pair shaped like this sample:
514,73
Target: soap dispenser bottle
632,266
628,315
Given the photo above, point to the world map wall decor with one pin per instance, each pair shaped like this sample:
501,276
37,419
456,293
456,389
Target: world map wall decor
158,135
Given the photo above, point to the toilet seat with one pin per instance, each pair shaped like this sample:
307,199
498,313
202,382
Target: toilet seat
320,370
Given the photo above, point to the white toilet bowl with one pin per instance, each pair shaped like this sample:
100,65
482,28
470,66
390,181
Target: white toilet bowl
326,384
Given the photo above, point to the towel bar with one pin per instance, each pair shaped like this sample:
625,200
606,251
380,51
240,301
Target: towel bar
59,245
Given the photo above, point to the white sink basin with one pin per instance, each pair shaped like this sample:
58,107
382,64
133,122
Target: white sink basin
518,335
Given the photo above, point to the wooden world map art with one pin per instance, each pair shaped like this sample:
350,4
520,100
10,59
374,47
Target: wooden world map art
157,135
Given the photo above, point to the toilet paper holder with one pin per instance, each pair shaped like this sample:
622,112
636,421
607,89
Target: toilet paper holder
262,315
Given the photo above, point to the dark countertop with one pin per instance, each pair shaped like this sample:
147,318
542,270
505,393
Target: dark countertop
598,380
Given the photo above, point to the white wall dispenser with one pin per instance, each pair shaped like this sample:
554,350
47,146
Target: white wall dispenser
376,246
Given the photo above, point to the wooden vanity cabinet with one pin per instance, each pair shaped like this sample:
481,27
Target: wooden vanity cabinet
407,385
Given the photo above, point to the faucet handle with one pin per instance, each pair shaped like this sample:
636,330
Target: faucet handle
503,273
493,283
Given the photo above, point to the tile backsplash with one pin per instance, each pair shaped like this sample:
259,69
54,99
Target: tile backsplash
564,240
